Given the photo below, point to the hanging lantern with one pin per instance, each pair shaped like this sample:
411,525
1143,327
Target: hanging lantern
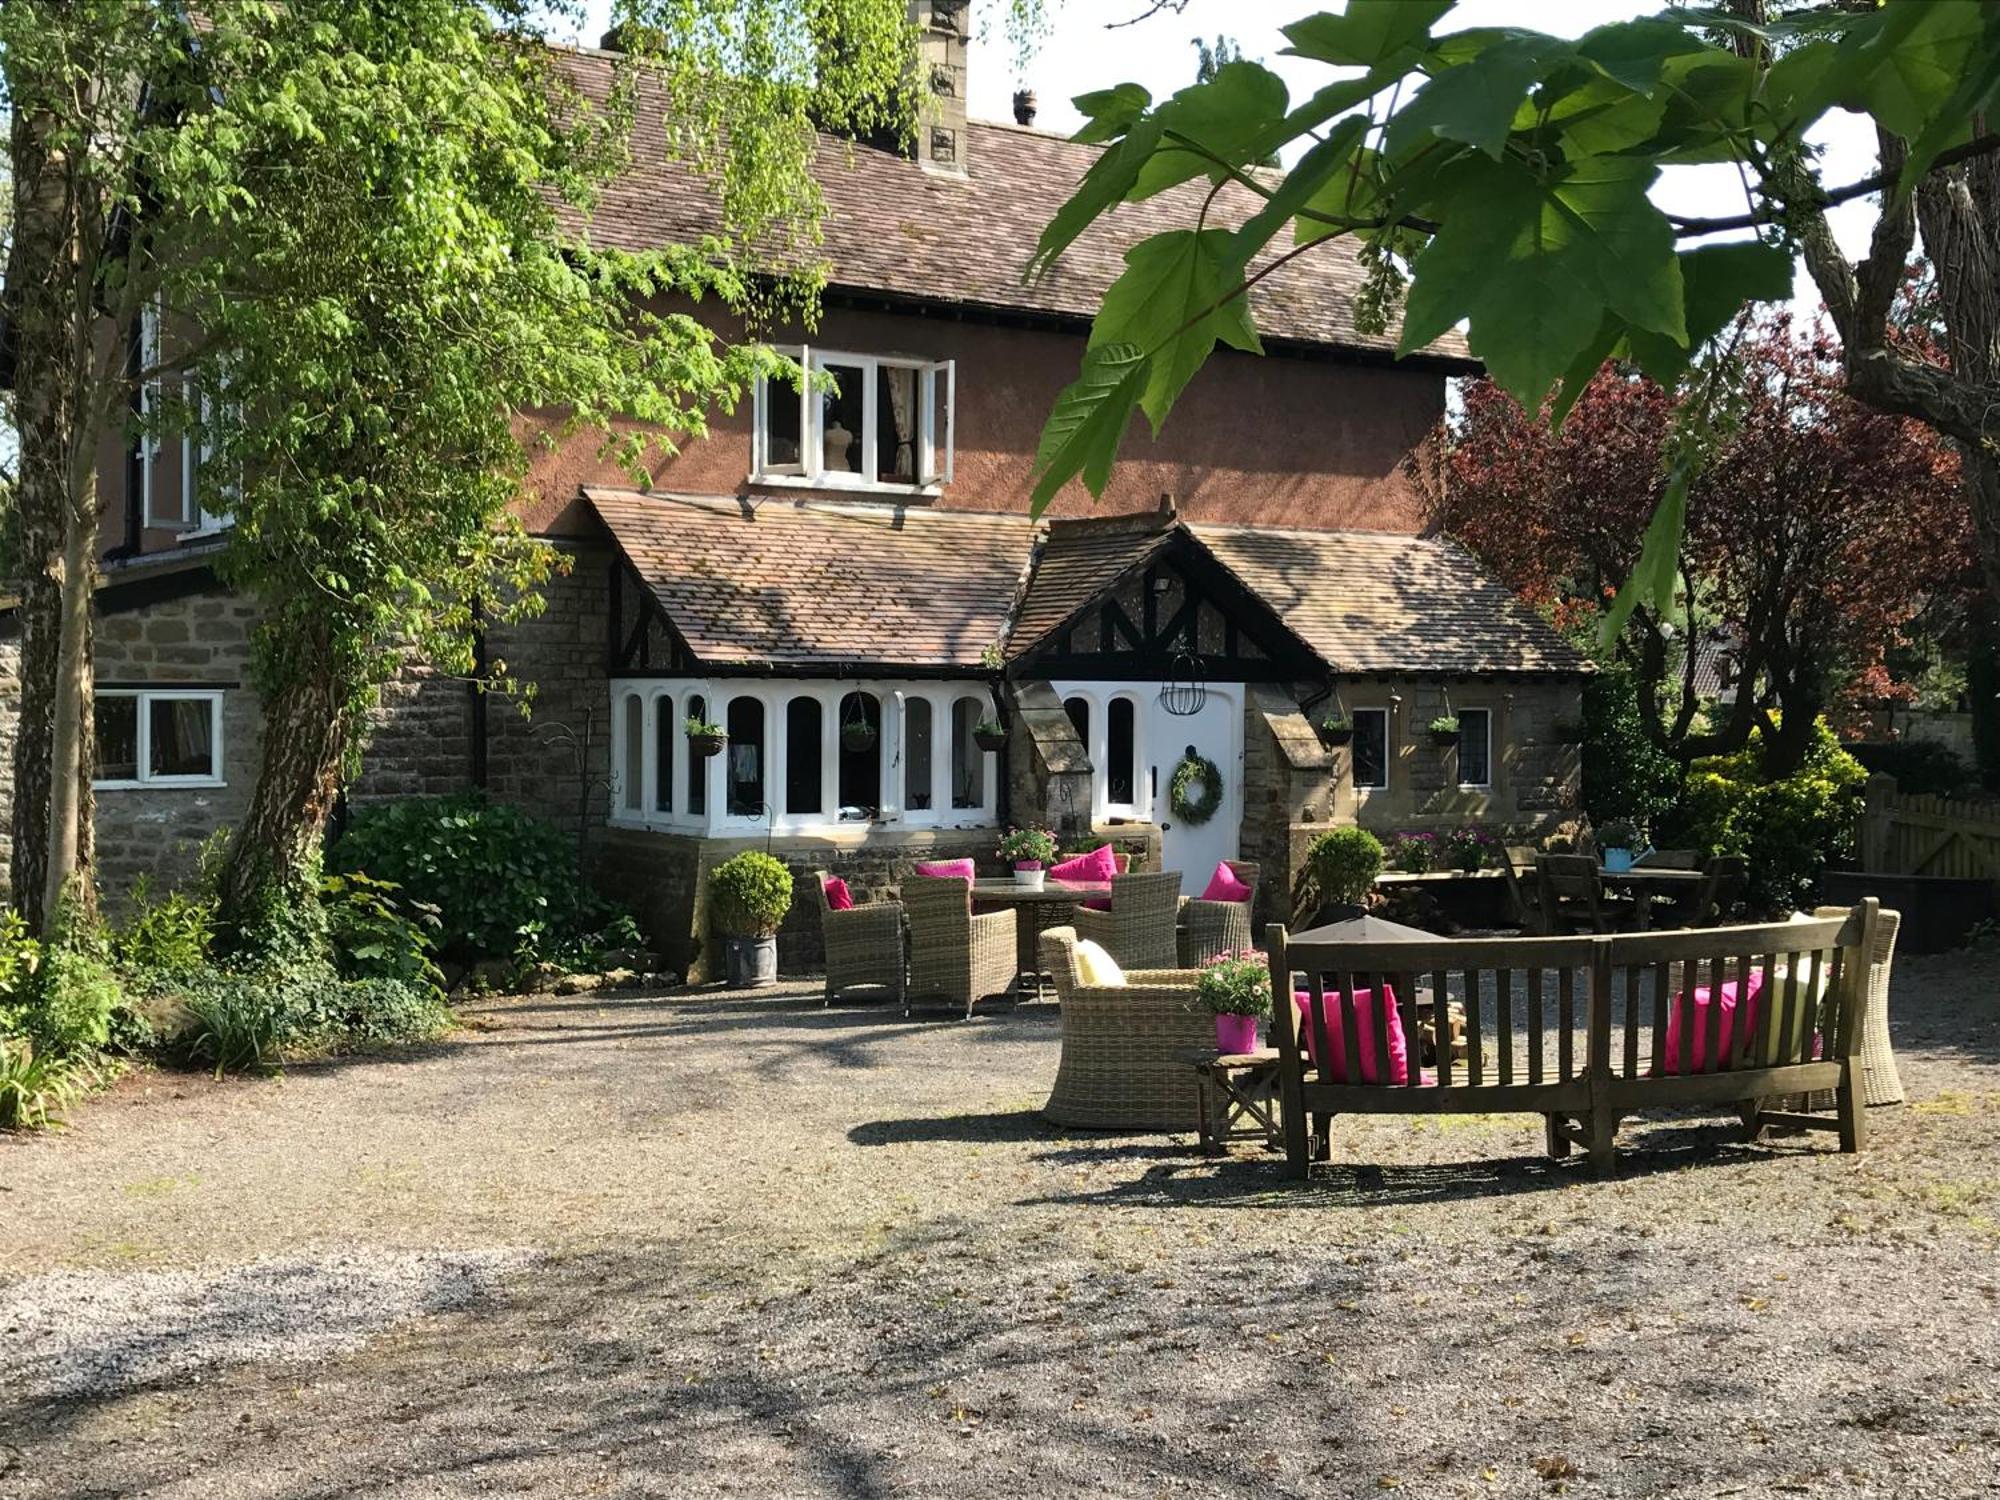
1185,692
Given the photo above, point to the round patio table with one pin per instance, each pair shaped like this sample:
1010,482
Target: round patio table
1645,882
1035,912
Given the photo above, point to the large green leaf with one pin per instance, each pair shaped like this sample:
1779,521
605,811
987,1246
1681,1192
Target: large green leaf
1635,52
1170,302
1719,280
1475,101
1107,182
1088,422
1369,34
1653,576
1303,187
1109,113
1623,241
1232,117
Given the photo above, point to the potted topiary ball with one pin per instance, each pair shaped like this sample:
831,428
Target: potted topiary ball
1236,989
1444,731
748,896
1344,863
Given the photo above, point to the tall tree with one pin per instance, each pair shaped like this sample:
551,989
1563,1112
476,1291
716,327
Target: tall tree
1817,531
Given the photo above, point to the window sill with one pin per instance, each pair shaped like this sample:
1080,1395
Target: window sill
849,483
161,783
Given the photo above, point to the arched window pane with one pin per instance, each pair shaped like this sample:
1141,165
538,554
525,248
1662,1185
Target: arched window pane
666,735
860,756
968,761
917,754
746,759
1120,751
697,772
802,757
632,796
1078,710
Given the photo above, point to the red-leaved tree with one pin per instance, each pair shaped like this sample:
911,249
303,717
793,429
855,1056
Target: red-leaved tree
1818,532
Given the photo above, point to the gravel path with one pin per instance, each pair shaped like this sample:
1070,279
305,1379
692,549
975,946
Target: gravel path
704,1245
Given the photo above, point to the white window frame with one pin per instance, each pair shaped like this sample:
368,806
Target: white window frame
1097,745
894,698
145,698
1485,714
190,521
1364,789
936,430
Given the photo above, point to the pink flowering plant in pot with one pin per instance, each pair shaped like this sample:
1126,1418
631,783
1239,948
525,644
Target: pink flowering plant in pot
1029,851
1236,989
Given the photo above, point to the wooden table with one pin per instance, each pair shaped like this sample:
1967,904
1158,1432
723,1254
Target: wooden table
1035,911
1232,1088
1647,881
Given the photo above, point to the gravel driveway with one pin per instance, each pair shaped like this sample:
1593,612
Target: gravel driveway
699,1245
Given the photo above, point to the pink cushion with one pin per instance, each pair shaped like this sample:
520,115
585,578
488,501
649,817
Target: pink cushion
1224,886
1366,1009
1697,1018
944,869
1100,863
838,897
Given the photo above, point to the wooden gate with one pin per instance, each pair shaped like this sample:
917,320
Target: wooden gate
1903,834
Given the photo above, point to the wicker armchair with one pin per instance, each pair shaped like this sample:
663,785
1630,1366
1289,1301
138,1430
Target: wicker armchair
1125,1051
1209,928
1140,929
955,955
864,945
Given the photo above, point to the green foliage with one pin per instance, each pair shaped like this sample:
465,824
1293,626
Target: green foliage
1021,845
377,936
694,725
1417,853
1624,773
1468,848
491,871
166,936
1337,723
20,957
232,1023
1790,828
1445,724
74,996
36,1085
1236,984
1344,863
1922,767
749,894
1620,833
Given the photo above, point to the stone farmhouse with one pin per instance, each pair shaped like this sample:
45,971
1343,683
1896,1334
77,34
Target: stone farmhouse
849,584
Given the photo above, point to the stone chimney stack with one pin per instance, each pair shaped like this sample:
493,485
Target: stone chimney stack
942,26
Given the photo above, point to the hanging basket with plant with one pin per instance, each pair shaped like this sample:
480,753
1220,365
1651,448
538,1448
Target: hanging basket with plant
1336,728
1196,789
1444,731
990,734
704,738
858,735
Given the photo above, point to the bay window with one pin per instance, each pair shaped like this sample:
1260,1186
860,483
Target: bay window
857,421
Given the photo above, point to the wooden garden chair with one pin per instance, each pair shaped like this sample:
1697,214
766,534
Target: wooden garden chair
1572,897
1524,889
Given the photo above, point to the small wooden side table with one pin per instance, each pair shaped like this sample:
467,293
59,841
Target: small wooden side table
1238,1098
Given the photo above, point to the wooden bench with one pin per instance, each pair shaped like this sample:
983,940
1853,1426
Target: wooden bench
1575,1029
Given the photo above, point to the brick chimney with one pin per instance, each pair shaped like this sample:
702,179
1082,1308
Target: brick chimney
942,26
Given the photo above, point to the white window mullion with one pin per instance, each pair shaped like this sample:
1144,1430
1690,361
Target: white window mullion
812,444
871,380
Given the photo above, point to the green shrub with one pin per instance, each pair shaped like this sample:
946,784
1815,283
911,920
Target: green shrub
75,994
1344,863
1624,774
1789,829
168,936
20,957
376,936
749,894
492,872
36,1084
233,1022
324,1011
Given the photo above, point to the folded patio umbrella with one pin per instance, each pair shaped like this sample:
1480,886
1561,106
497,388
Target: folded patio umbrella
1366,928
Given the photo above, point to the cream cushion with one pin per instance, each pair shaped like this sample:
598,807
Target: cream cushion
1097,968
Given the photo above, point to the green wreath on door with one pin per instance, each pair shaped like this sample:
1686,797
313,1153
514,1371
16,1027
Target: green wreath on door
1195,771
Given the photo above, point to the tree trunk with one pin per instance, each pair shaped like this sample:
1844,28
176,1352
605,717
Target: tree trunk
52,320
306,734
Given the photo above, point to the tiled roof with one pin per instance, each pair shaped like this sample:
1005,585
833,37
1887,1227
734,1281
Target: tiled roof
895,229
786,583
1371,602
1077,562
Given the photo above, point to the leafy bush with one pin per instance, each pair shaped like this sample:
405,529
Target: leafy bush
492,871
1921,767
233,1023
1416,853
327,1011
168,936
749,894
36,1084
20,957
1790,829
376,936
1236,984
1444,724
1344,863
75,994
1624,774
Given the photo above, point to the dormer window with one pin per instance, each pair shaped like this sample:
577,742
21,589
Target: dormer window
866,422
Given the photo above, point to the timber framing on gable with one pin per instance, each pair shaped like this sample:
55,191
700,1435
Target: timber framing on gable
643,641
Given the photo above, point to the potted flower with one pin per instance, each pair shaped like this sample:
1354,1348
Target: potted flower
1029,851
1466,849
704,738
1569,731
990,734
1337,728
1236,989
1415,853
1444,731
1344,863
1618,843
748,896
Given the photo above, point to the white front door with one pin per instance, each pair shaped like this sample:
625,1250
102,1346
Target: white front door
1135,745
1216,732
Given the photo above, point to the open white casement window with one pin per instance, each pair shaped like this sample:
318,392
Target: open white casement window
863,421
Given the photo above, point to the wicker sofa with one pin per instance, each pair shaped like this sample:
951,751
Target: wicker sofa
1125,1050
864,945
955,955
